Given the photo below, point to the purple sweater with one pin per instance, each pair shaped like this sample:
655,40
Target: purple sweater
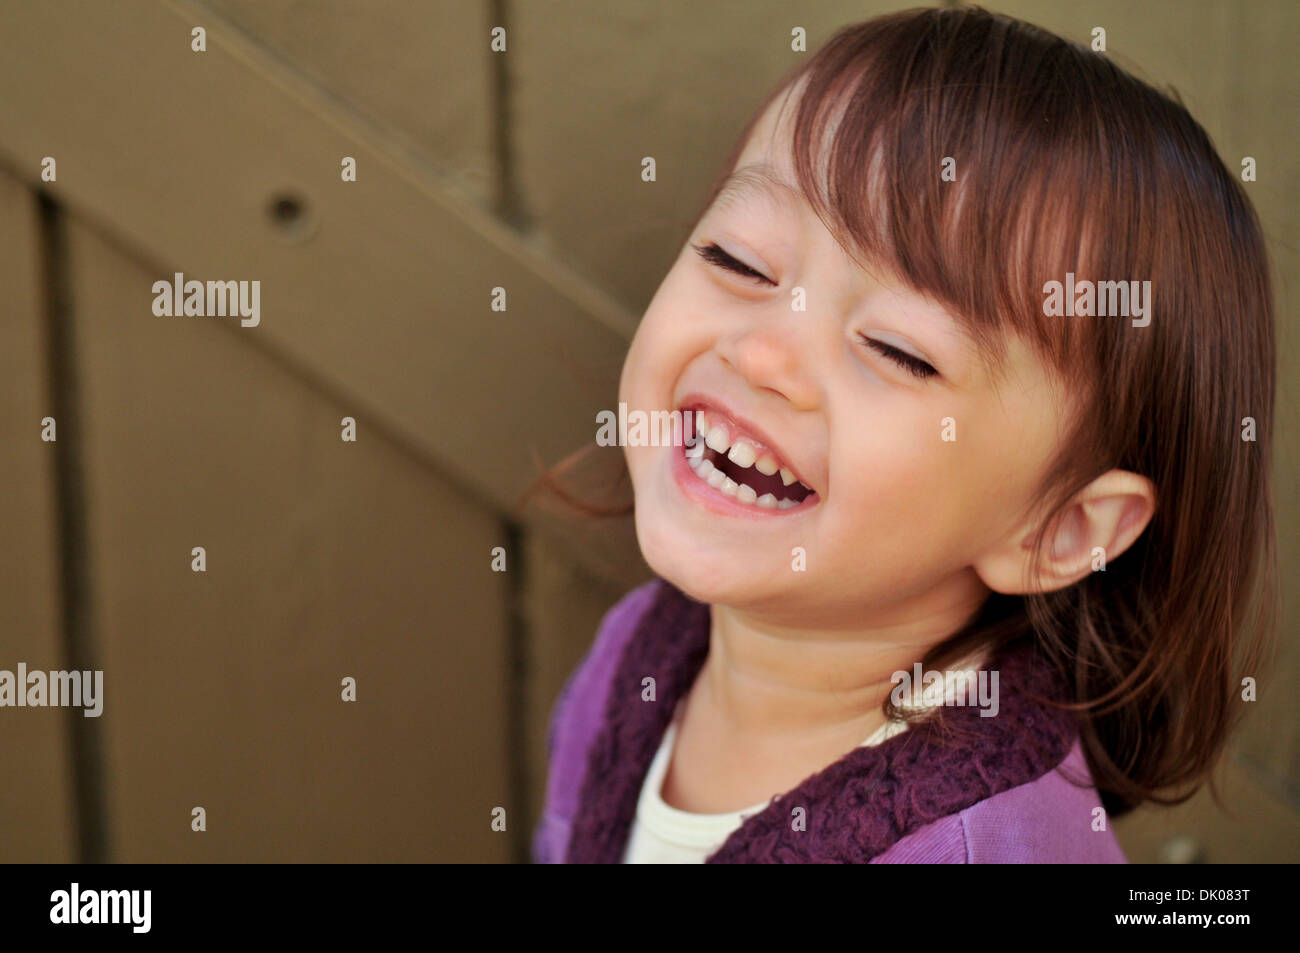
1013,788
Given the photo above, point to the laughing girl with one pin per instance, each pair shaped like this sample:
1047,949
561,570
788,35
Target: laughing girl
912,466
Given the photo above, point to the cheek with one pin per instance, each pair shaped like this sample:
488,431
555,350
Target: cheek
650,371
652,365
908,494
639,463
944,503
637,367
892,461
673,331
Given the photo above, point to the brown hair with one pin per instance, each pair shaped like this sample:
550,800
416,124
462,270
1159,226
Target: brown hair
1065,163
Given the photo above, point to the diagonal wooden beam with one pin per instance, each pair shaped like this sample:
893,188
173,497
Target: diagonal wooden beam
382,291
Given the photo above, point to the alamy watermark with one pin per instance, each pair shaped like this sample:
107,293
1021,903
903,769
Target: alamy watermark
922,689
128,907
1121,299
179,297
642,428
56,689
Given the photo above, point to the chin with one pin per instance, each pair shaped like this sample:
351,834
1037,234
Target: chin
698,572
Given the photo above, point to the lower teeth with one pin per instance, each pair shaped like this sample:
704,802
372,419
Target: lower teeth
714,477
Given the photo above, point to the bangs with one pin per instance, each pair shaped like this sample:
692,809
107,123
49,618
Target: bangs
976,159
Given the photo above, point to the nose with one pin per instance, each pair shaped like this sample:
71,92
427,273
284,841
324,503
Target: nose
773,354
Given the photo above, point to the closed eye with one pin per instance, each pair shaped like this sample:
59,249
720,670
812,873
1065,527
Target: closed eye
909,362
714,255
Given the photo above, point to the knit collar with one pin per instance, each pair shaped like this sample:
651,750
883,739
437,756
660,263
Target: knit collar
854,809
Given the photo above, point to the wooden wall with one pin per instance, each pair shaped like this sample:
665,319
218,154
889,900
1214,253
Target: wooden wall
373,559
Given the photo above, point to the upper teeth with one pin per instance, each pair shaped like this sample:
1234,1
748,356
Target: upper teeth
717,439
742,453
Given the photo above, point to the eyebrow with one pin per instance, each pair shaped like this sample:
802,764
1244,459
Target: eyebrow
758,180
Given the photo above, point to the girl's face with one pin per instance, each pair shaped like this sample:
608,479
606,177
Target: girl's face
912,466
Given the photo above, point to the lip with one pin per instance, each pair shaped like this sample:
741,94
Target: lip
714,499
697,401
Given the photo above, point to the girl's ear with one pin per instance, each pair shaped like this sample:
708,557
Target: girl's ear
1107,515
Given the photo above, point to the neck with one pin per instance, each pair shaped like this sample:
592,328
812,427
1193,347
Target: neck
820,685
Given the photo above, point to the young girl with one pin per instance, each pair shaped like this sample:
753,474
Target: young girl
977,333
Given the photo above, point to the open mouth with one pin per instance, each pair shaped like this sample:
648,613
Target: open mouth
741,467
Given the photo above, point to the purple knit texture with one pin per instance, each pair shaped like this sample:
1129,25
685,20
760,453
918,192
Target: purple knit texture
855,808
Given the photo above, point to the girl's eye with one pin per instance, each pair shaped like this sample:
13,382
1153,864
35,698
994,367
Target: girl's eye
714,255
910,363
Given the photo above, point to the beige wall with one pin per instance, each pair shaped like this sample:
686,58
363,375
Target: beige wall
373,559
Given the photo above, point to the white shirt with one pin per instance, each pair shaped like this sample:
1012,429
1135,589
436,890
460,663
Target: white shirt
664,835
